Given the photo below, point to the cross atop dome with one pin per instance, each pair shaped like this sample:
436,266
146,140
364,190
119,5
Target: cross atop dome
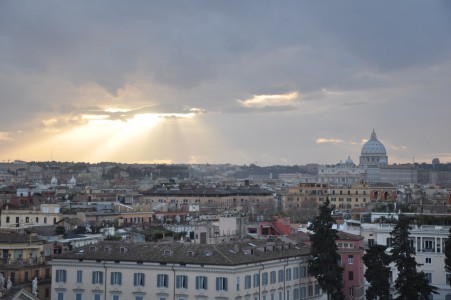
373,135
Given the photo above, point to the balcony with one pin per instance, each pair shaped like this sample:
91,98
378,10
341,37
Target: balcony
22,263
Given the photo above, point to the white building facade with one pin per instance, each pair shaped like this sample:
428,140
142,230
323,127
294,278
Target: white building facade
127,271
429,243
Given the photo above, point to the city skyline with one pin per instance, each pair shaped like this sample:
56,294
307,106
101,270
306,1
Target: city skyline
209,82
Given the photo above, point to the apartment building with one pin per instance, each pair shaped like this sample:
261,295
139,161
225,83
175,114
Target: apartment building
44,214
211,200
350,197
429,243
179,271
311,195
350,249
305,195
23,259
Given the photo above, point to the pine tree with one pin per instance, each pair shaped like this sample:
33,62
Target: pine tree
324,264
448,254
377,272
411,283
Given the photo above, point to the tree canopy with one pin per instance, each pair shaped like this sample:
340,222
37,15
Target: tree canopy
411,283
324,264
447,251
377,272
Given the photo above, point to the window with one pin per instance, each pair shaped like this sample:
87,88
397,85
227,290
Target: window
448,279
351,291
303,272
182,282
281,276
60,296
288,274
429,277
428,260
303,293
97,277
116,278
97,297
350,259
389,242
7,219
247,282
310,290
296,273
256,280
201,283
162,280
238,283
139,298
370,242
79,276
265,278
296,294
317,289
138,279
60,276
221,283
351,275
78,296
272,278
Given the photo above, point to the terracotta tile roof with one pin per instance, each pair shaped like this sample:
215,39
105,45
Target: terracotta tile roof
186,253
349,236
16,238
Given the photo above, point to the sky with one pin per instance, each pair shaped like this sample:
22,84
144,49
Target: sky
241,82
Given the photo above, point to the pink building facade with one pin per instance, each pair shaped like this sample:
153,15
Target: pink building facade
350,248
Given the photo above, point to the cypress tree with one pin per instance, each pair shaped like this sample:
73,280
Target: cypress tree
411,283
377,272
448,254
324,262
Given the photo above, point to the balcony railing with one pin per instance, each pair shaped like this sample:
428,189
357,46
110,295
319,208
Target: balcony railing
22,262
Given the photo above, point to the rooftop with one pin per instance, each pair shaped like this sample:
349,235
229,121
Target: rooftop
186,253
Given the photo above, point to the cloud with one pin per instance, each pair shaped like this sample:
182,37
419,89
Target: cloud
264,101
58,124
324,141
397,148
75,116
65,63
5,136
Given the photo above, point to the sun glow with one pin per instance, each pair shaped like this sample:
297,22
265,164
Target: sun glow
132,137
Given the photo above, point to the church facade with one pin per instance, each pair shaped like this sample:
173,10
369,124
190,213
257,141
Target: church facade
373,158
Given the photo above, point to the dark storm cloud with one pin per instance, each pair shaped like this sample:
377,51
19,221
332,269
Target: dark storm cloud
358,58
